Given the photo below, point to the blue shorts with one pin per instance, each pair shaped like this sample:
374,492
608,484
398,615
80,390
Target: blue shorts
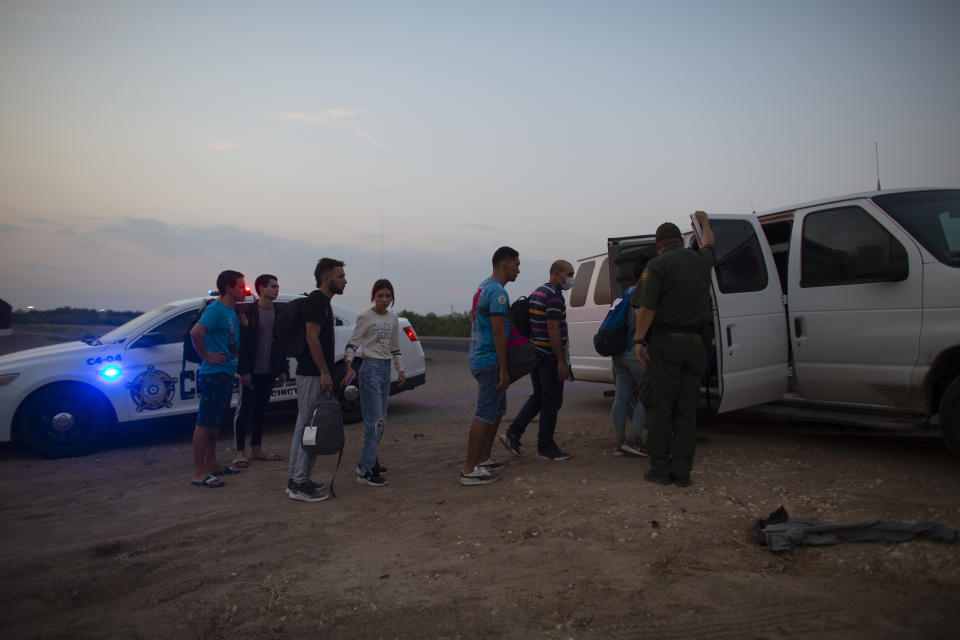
491,402
215,390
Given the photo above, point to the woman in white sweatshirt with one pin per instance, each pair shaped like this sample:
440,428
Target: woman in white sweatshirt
377,336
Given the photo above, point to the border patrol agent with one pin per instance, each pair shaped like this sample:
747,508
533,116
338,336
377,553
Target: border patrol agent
673,302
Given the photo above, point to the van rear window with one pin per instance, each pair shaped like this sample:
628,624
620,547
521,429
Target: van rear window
581,284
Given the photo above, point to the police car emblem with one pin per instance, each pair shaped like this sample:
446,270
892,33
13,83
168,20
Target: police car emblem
152,389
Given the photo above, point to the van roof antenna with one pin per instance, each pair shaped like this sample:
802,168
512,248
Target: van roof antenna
876,154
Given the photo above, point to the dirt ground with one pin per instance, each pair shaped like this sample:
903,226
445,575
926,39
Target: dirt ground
117,544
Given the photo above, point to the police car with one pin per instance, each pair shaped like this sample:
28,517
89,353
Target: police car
60,400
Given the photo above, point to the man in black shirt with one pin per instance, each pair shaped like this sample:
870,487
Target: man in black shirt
314,373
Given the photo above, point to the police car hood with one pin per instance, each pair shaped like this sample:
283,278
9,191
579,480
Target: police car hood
52,351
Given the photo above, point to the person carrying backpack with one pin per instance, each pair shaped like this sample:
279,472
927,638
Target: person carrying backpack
215,339
548,335
489,365
261,367
314,373
628,375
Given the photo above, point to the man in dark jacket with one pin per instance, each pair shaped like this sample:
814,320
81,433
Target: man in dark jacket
262,365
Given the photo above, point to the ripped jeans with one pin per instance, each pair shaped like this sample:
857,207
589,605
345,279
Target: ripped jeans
374,378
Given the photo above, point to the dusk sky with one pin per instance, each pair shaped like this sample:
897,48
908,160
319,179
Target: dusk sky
148,145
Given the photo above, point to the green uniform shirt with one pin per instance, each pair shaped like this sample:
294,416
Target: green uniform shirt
676,285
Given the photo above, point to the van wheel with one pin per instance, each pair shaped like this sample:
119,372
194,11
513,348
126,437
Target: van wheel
349,408
64,419
950,415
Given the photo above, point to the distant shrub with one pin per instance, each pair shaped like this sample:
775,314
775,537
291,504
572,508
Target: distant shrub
451,325
69,315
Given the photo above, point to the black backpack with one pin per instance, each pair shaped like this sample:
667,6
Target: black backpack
520,316
291,329
189,353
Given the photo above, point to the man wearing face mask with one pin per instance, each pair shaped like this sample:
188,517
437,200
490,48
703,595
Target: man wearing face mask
548,334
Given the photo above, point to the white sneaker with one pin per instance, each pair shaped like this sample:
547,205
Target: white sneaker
479,475
492,464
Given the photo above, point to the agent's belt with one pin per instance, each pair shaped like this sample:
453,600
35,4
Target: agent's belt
661,329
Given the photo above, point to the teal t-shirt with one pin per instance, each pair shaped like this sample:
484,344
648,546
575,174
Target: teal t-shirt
493,300
221,323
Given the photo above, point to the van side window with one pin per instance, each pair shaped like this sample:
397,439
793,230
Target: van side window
601,291
581,284
847,246
740,266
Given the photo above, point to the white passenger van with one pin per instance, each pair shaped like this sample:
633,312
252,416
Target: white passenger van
845,309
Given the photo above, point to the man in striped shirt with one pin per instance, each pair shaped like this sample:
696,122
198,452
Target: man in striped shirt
548,334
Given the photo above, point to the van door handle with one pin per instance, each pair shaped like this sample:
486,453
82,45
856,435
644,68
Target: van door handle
798,328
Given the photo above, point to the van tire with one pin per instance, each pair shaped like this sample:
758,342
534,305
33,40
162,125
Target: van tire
950,415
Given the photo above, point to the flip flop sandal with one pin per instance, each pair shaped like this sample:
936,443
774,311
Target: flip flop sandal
228,471
241,464
210,482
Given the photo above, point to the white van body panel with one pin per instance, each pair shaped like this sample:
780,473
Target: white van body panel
583,320
750,332
940,331
855,344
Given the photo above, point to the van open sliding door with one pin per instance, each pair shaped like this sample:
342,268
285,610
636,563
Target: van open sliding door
750,323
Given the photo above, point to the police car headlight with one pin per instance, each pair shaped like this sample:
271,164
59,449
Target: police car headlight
7,378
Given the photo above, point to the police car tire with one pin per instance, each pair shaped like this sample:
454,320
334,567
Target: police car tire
950,415
83,432
349,408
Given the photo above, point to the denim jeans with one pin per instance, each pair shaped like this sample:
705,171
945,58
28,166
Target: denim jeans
629,375
547,398
374,378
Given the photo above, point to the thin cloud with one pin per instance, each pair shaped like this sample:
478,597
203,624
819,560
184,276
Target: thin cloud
224,146
337,119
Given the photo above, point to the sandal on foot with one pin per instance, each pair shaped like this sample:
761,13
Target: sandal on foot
210,482
240,464
227,471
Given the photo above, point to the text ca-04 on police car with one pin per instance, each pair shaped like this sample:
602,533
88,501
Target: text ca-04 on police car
60,400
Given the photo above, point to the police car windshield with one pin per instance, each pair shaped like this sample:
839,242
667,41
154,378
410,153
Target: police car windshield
120,334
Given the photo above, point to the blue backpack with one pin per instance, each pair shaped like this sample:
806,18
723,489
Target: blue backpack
613,335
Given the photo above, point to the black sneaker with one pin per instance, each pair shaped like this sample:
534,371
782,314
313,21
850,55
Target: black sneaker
377,469
658,478
316,486
305,493
681,481
511,442
371,478
552,453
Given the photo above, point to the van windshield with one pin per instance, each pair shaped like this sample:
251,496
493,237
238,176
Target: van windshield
932,217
